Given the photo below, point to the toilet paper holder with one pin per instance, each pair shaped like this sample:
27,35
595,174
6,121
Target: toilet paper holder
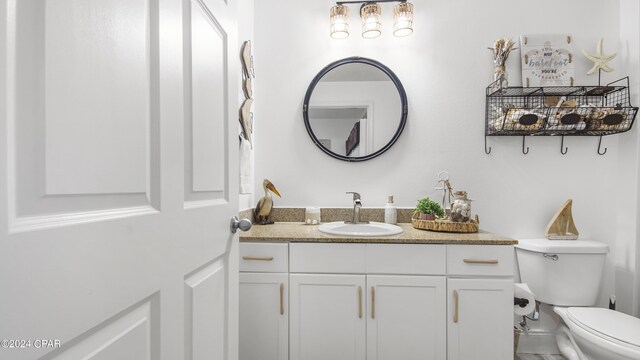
535,316
522,302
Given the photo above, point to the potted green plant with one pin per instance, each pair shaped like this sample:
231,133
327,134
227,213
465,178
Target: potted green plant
429,209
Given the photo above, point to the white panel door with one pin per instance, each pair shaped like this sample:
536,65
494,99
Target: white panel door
264,319
480,319
327,317
114,215
406,317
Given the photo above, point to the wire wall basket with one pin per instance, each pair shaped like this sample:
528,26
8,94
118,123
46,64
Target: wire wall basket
559,110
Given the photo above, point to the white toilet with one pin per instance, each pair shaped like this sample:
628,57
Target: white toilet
567,274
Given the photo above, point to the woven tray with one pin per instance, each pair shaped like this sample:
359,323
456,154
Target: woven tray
446,225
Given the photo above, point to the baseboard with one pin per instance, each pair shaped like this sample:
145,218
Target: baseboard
538,342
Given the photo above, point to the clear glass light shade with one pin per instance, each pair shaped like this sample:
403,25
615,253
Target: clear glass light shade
403,19
370,14
339,16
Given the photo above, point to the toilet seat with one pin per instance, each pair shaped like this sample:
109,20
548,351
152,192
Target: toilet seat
608,325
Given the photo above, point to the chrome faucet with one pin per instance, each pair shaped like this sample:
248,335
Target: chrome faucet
357,204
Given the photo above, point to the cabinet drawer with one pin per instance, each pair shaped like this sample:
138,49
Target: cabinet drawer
328,258
264,257
409,259
496,260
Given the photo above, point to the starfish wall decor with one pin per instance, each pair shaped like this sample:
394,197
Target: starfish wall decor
599,59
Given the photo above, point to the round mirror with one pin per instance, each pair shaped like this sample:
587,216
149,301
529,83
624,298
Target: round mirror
355,109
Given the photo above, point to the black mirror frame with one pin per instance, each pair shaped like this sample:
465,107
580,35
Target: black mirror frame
396,82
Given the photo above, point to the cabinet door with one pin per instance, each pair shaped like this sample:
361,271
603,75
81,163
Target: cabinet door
327,317
264,333
406,317
480,324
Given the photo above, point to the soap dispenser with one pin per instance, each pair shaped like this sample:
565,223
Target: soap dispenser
390,212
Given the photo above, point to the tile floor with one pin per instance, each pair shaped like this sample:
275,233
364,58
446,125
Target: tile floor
538,357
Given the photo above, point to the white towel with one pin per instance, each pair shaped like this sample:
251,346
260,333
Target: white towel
246,176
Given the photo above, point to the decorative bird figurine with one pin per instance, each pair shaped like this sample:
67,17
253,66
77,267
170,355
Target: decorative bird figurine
599,59
265,205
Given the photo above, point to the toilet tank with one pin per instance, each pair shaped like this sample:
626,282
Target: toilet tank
562,272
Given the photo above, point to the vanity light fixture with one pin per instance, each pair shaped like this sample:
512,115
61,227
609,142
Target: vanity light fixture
339,16
370,13
403,19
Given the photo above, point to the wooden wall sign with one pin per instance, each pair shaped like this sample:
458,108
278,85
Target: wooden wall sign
547,60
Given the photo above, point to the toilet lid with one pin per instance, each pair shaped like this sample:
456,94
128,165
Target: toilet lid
562,246
608,323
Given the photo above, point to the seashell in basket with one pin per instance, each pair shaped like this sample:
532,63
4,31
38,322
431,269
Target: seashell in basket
497,122
555,101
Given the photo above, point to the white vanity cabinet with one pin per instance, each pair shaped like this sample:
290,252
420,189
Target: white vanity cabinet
264,302
383,302
327,317
480,300
328,300
381,294
403,317
480,319
406,317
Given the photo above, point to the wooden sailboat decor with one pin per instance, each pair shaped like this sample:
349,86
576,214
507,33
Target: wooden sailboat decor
561,226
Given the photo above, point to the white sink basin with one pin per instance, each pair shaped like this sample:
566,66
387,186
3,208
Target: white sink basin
365,230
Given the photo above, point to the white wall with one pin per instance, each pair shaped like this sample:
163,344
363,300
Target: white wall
445,67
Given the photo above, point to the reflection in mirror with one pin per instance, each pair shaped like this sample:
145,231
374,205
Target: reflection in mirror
355,109
338,128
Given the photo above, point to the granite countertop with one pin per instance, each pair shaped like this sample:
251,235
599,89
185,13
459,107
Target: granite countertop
299,232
